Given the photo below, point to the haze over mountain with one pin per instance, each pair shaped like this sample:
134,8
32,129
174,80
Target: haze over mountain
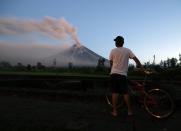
62,55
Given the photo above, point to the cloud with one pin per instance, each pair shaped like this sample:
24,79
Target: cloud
48,26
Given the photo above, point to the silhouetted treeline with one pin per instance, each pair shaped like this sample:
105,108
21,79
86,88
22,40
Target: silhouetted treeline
170,68
39,67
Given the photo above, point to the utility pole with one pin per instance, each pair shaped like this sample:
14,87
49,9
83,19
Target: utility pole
153,59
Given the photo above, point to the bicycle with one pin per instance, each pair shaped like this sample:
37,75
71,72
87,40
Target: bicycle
156,101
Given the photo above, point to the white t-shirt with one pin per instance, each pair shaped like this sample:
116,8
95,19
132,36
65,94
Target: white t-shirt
120,57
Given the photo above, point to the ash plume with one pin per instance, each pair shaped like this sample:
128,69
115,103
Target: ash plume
48,26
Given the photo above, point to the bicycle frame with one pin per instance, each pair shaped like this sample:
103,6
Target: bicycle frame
137,89
157,102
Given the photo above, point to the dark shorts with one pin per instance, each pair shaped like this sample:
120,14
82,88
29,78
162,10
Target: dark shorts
119,84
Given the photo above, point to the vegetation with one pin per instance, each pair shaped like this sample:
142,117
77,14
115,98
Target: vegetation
100,69
170,68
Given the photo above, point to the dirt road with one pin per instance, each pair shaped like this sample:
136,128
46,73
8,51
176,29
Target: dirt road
29,114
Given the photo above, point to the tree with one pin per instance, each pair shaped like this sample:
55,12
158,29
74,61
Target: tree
180,59
147,64
162,63
20,66
54,62
168,62
40,66
100,62
70,65
29,67
5,65
173,62
131,67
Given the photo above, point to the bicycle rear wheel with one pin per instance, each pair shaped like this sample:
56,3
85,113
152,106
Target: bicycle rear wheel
158,103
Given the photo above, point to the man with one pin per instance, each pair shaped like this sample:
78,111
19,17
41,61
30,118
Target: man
119,59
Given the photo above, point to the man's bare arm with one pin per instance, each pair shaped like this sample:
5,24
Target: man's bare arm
138,63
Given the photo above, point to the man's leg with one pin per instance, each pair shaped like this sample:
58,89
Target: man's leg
114,103
128,104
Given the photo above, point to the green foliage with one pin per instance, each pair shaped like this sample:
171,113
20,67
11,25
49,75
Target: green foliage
167,69
39,67
4,65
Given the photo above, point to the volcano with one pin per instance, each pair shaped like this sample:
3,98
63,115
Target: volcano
77,55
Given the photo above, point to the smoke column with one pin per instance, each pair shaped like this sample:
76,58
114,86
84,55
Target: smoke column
49,26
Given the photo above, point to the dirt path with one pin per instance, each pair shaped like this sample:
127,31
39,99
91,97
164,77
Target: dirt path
28,114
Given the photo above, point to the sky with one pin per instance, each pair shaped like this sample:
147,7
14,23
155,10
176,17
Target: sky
149,27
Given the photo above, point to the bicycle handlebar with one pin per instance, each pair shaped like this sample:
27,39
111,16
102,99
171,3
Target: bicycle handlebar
146,71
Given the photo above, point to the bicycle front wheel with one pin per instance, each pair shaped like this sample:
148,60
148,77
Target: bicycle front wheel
158,103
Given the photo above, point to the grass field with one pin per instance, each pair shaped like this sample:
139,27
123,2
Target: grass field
51,74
